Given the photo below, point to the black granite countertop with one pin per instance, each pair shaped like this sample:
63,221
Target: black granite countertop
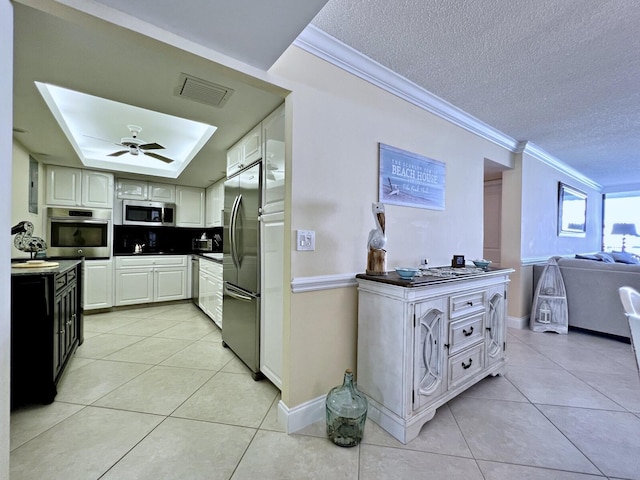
434,276
146,253
214,257
163,252
63,266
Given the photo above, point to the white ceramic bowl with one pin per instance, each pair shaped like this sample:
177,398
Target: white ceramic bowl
482,263
407,273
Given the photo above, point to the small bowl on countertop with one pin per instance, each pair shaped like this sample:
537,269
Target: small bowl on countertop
407,273
483,264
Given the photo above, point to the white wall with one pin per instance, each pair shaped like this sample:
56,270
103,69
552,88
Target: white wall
6,133
20,196
338,120
540,213
529,225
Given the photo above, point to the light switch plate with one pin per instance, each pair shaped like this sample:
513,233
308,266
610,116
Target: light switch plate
305,240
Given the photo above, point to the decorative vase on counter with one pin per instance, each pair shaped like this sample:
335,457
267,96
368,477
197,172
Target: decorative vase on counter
346,413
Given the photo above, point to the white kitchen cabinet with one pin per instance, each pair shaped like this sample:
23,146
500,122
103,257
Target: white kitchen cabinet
97,284
97,189
170,283
272,298
214,197
64,186
189,206
422,344
130,189
210,290
75,187
252,145
273,164
246,151
134,286
162,192
150,278
234,159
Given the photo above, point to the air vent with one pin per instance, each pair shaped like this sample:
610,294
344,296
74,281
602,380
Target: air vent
203,91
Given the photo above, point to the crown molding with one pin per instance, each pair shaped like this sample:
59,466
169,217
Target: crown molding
536,152
332,50
321,44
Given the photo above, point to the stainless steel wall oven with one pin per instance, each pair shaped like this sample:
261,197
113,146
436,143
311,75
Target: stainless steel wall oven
78,232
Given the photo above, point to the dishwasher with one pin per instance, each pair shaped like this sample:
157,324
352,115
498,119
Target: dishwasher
195,278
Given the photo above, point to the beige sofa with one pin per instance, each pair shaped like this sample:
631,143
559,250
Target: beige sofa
592,293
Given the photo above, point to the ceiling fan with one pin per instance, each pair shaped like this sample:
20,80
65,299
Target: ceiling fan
135,146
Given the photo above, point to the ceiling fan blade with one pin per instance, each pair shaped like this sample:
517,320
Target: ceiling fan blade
117,154
159,157
150,146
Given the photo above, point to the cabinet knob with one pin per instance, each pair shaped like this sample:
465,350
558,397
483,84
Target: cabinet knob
61,332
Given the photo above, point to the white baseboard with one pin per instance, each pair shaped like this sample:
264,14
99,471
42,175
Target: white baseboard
520,323
297,418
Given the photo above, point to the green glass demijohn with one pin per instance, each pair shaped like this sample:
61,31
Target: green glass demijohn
346,413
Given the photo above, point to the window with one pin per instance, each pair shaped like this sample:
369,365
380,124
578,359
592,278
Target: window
621,208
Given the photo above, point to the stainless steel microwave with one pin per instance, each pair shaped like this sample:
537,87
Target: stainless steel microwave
152,214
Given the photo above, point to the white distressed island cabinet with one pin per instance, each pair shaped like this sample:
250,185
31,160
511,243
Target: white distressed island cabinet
423,342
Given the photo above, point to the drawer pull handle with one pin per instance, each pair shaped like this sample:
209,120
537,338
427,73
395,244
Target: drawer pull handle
466,334
470,303
468,364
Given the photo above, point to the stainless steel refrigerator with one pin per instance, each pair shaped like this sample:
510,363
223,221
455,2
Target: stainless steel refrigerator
241,266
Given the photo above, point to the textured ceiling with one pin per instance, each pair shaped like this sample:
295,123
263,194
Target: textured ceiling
563,74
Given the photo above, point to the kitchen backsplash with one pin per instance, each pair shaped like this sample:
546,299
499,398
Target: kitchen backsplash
161,239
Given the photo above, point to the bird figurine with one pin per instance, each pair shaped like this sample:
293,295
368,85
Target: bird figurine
377,238
25,241
376,257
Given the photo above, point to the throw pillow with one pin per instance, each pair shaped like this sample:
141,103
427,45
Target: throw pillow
606,257
588,256
624,257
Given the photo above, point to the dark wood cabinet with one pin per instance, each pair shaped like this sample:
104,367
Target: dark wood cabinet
46,329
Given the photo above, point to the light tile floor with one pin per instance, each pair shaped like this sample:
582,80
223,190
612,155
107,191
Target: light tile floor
152,394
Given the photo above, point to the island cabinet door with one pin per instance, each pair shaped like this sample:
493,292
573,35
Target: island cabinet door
429,352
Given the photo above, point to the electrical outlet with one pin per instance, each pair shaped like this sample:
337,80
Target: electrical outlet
305,240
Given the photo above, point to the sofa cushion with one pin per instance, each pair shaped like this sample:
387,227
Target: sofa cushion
588,256
624,257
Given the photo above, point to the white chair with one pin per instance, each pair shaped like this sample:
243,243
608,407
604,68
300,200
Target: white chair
630,300
631,303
